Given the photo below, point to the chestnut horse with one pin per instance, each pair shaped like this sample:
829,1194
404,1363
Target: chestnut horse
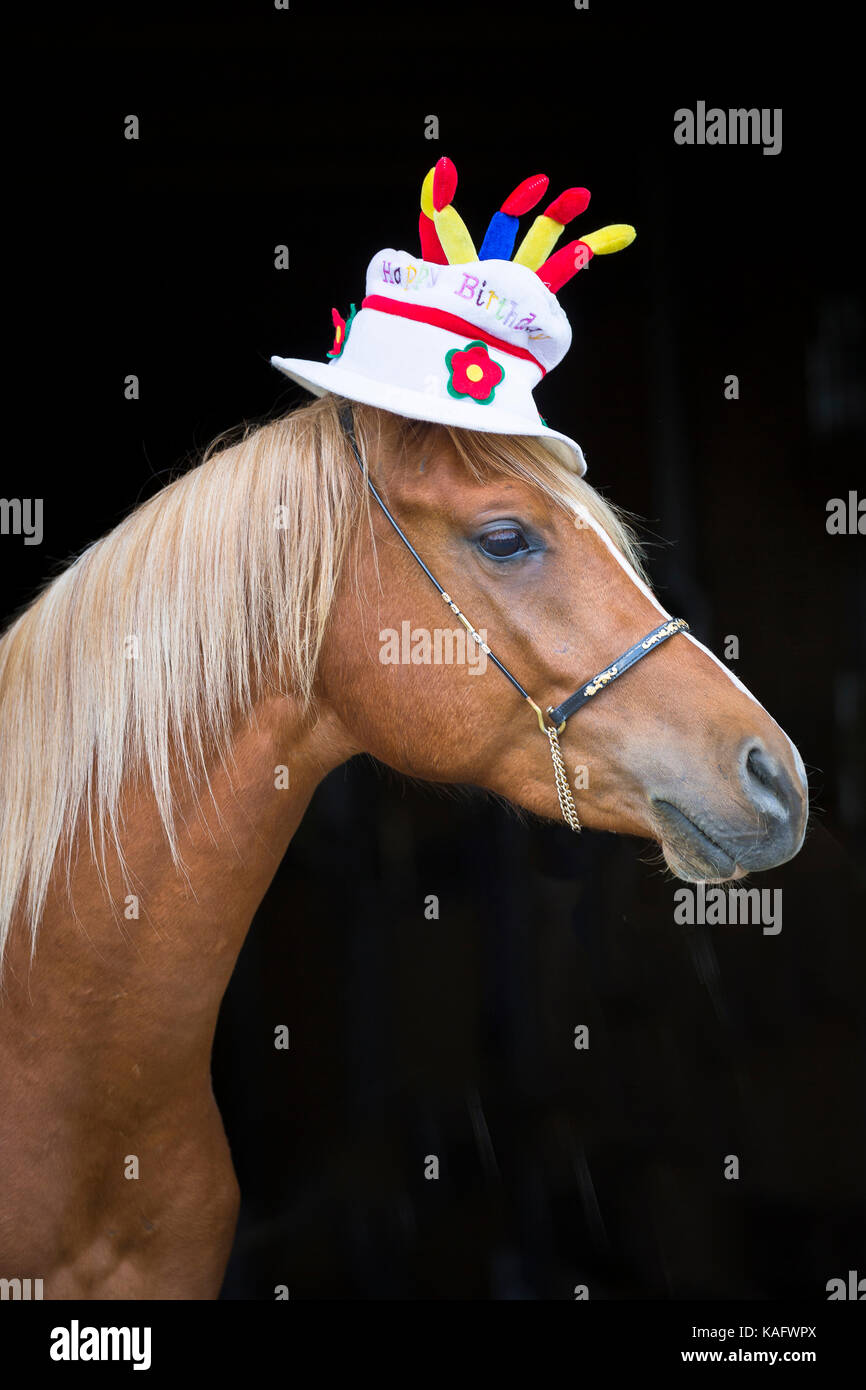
169,704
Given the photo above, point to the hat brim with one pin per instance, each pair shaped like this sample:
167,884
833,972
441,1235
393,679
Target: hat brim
322,377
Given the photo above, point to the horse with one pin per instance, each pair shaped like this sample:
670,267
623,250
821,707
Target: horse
169,703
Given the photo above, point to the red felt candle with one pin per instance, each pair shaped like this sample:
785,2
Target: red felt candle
568,205
563,264
525,195
431,246
444,183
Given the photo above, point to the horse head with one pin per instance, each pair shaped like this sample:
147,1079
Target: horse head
677,750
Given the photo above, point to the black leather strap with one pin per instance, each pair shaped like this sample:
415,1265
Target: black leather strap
623,663
574,702
348,424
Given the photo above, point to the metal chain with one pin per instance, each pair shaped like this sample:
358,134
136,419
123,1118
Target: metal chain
563,789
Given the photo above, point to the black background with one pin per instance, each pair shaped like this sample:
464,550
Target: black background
454,1037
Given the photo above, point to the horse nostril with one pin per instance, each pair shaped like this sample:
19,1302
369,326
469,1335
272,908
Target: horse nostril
760,767
765,782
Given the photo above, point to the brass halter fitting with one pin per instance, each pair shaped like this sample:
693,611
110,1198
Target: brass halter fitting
539,716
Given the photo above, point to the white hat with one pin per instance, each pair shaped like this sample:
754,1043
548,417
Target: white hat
461,343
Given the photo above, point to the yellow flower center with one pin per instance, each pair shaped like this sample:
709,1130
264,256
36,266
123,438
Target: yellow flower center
474,372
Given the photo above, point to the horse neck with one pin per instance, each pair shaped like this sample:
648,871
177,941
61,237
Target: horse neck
170,937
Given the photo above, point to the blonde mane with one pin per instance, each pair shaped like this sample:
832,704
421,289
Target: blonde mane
137,661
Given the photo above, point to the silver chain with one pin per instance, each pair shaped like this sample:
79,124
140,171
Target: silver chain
563,789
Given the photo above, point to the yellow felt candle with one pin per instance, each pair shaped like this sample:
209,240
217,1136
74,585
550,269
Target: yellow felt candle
609,239
546,230
454,236
539,241
427,193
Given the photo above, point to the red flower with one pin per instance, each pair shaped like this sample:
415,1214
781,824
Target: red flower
341,331
472,372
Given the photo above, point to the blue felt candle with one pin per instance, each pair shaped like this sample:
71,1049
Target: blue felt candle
498,242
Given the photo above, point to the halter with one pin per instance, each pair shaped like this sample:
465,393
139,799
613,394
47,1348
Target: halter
561,713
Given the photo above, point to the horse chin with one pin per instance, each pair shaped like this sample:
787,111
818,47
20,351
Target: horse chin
684,863
689,852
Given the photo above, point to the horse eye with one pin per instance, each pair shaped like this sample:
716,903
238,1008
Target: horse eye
504,542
